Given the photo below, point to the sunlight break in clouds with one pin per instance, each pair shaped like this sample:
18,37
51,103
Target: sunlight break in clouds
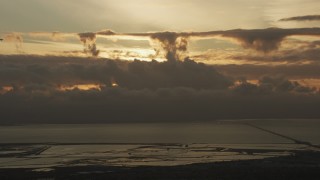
174,45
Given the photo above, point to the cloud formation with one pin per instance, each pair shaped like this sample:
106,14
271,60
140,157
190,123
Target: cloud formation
145,91
302,18
251,71
174,45
272,84
19,70
261,40
89,43
287,56
36,104
265,40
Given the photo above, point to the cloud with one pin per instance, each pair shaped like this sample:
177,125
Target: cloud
265,40
146,91
89,43
15,38
261,40
145,105
173,45
302,18
18,70
288,56
291,71
293,51
106,32
56,35
281,84
273,84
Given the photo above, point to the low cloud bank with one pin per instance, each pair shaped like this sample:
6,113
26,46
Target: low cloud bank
19,70
141,91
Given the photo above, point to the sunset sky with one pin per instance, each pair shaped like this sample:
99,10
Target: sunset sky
71,51
141,16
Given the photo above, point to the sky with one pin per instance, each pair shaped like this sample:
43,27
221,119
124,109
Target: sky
144,15
77,60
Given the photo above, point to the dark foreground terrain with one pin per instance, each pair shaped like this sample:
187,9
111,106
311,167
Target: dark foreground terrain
303,165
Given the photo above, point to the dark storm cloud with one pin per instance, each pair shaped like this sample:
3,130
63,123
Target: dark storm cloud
302,18
273,84
133,75
292,71
265,40
160,105
147,91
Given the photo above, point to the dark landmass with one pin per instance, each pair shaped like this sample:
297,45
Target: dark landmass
302,165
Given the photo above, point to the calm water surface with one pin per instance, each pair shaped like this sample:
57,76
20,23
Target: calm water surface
214,132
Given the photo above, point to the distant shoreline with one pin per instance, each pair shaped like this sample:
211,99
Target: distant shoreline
151,122
303,165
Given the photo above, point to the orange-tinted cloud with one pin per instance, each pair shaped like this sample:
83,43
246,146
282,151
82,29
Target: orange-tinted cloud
15,38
